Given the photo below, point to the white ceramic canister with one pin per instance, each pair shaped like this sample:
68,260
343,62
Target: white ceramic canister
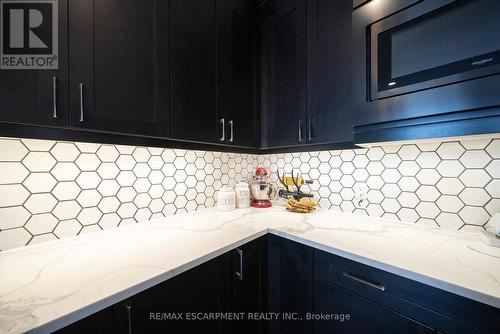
226,199
242,195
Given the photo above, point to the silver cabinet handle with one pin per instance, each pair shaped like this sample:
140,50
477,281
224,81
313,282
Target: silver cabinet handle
309,129
231,131
239,274
128,308
54,96
223,122
81,103
356,278
300,131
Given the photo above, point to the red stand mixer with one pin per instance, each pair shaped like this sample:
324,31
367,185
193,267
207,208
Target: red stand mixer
261,189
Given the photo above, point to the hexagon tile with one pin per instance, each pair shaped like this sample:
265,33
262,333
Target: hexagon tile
452,184
51,190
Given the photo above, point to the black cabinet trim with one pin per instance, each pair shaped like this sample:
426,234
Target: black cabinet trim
14,130
85,135
440,126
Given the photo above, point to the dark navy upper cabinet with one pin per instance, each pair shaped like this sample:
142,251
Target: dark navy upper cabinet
328,71
238,73
213,71
284,70
37,96
193,70
306,61
425,69
119,66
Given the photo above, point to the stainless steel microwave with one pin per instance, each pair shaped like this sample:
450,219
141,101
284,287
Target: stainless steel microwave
414,59
436,43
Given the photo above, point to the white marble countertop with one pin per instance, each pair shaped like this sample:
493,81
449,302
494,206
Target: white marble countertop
47,286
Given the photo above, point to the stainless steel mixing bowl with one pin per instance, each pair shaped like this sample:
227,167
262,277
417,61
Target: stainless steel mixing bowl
261,191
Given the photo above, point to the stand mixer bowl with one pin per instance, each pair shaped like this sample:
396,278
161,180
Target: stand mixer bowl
261,191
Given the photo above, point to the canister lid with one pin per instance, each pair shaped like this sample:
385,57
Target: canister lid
242,185
226,189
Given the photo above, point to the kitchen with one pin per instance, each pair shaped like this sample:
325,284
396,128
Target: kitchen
241,166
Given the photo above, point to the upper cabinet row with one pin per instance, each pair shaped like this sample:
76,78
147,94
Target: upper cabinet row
194,71
175,69
287,73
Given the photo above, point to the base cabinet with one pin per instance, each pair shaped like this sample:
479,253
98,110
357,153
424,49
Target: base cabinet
361,315
249,285
173,306
290,284
300,284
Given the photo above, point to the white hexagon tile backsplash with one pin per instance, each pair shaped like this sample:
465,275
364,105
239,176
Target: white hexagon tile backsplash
452,184
52,189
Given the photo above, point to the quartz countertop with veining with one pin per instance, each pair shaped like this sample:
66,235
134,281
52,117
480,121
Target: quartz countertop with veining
47,286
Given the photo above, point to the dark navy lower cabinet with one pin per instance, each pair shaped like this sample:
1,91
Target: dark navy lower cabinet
407,306
249,285
180,304
290,285
309,291
354,314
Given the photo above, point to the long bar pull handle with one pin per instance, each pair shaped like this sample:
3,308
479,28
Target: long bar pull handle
223,123
309,129
239,274
54,97
231,131
300,131
359,279
128,308
81,103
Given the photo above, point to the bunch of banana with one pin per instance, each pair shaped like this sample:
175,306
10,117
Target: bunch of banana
302,206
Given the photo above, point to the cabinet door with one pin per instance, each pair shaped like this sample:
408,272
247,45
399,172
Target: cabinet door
38,96
364,315
193,70
284,83
119,66
238,96
202,290
290,284
329,71
249,284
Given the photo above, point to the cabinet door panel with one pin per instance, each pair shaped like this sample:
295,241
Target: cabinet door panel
290,284
204,289
284,68
27,96
249,284
123,65
193,70
329,71
238,100
364,315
